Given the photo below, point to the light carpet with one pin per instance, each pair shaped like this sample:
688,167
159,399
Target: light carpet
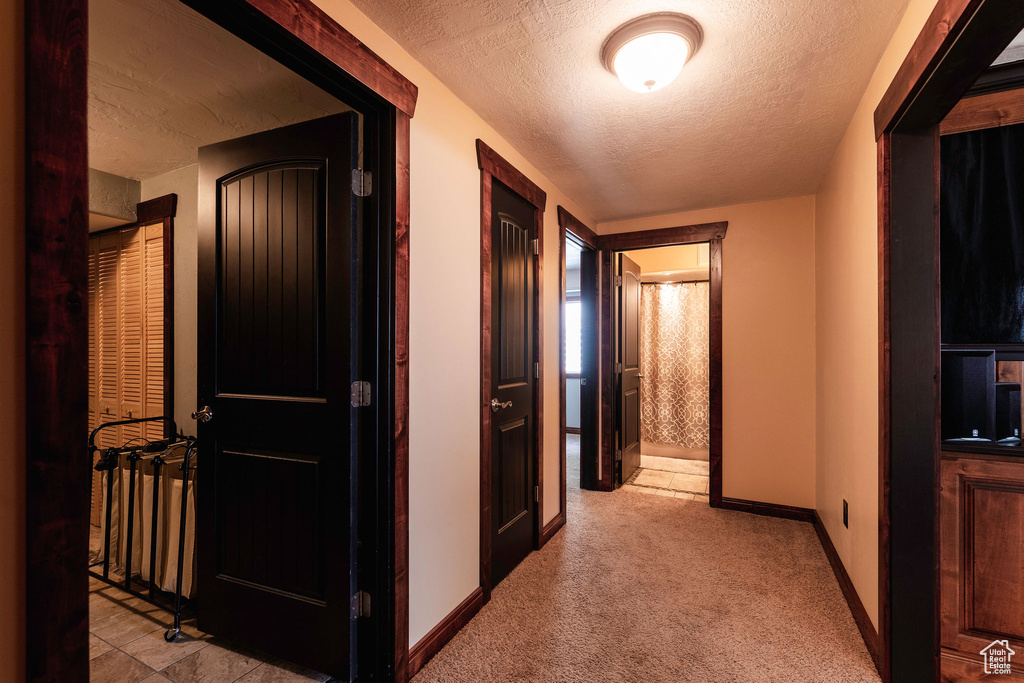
647,588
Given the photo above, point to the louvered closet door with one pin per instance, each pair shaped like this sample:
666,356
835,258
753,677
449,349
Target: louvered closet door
96,508
107,399
131,313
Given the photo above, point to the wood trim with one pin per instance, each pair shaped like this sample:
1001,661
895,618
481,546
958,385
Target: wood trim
563,375
571,430
884,413
156,209
715,371
57,482
713,233
860,615
943,27
439,636
767,509
316,29
402,666
551,528
664,237
496,166
491,164
957,45
1005,108
570,223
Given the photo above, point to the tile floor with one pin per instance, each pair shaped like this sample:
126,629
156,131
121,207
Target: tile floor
671,478
126,645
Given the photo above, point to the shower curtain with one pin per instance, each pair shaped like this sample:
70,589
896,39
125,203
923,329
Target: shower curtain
674,364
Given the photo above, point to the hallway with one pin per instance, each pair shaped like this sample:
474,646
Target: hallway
654,588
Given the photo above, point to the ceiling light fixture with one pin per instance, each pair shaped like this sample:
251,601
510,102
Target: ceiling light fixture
648,53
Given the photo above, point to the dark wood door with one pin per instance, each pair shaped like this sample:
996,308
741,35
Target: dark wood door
513,507
588,368
274,513
629,360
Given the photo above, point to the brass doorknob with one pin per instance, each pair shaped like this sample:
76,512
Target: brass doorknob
204,414
497,405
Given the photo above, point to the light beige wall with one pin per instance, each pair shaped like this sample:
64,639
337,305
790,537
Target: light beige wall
12,348
183,182
661,259
846,256
444,421
767,345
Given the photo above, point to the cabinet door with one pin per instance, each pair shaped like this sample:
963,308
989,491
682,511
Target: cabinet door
982,562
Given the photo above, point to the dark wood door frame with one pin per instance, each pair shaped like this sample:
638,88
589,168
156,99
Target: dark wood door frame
305,38
958,43
494,167
567,224
714,234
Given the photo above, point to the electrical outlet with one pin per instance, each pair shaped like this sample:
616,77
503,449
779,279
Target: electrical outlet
846,514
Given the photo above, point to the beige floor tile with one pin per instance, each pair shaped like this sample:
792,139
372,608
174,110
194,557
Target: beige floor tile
689,482
684,495
700,498
674,465
152,650
117,667
124,627
280,671
213,664
654,478
649,491
98,646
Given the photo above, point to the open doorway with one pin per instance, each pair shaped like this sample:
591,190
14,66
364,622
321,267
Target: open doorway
663,320
163,82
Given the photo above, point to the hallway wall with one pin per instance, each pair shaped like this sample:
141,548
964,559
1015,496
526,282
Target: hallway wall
846,256
12,346
767,346
444,421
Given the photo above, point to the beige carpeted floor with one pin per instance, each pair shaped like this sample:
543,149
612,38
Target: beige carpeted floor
646,588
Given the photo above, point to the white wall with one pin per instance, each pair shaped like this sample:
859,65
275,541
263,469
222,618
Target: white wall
185,183
572,402
846,333
444,367
768,365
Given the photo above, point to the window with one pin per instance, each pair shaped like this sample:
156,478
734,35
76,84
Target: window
573,332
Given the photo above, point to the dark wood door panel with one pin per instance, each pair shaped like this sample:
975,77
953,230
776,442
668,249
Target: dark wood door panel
273,219
629,366
275,512
513,508
981,559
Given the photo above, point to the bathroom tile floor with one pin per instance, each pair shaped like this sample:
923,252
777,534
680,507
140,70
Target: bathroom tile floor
671,478
126,645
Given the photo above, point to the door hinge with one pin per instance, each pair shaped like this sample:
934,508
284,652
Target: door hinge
618,368
360,394
618,280
362,182
361,604
536,370
618,456
536,247
536,494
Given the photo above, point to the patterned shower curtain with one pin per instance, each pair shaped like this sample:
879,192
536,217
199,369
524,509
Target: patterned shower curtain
674,364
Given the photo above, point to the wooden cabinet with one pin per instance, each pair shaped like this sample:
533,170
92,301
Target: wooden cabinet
981,563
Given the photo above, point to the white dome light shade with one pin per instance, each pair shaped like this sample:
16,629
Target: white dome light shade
649,52
650,62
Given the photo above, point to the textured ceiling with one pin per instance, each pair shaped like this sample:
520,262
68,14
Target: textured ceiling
164,81
1014,52
756,114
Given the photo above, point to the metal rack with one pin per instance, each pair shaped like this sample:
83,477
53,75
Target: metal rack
109,462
